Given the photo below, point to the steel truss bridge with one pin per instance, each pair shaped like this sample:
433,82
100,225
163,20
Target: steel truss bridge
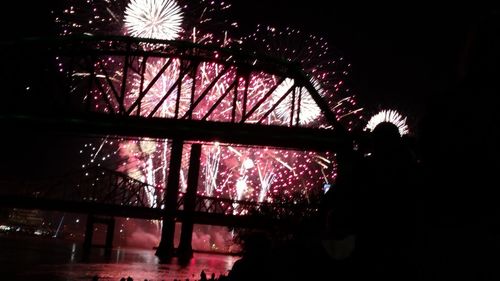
184,92
108,85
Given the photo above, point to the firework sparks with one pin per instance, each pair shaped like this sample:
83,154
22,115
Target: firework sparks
327,71
391,116
211,169
200,21
266,176
299,104
156,19
175,102
239,173
229,171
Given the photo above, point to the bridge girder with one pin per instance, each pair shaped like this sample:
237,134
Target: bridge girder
187,130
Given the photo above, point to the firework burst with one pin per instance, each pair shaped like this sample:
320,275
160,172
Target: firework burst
309,110
327,72
200,21
230,171
391,116
156,19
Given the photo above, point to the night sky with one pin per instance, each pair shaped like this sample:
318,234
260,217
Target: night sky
401,55
404,57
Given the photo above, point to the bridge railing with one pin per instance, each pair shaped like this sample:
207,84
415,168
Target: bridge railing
94,185
228,206
106,187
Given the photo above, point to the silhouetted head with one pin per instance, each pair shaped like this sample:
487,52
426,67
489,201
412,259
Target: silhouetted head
385,137
256,244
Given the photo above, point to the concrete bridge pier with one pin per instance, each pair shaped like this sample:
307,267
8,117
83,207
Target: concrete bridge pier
185,250
165,250
89,233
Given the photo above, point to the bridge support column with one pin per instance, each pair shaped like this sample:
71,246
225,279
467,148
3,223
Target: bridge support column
89,233
185,251
165,250
110,233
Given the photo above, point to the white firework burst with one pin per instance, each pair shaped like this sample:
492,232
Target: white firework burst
308,110
391,116
155,19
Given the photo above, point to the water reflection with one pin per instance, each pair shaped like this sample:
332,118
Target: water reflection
73,252
55,260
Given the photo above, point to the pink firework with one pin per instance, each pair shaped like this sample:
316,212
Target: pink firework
229,171
177,101
327,72
264,174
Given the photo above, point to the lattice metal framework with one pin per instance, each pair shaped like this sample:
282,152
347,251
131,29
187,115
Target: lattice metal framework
94,185
169,79
226,206
106,187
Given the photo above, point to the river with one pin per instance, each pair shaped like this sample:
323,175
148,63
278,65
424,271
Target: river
36,258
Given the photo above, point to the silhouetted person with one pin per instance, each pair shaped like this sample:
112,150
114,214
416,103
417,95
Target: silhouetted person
223,277
374,219
336,214
255,263
203,276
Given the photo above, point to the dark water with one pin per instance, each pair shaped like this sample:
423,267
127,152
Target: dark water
28,258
